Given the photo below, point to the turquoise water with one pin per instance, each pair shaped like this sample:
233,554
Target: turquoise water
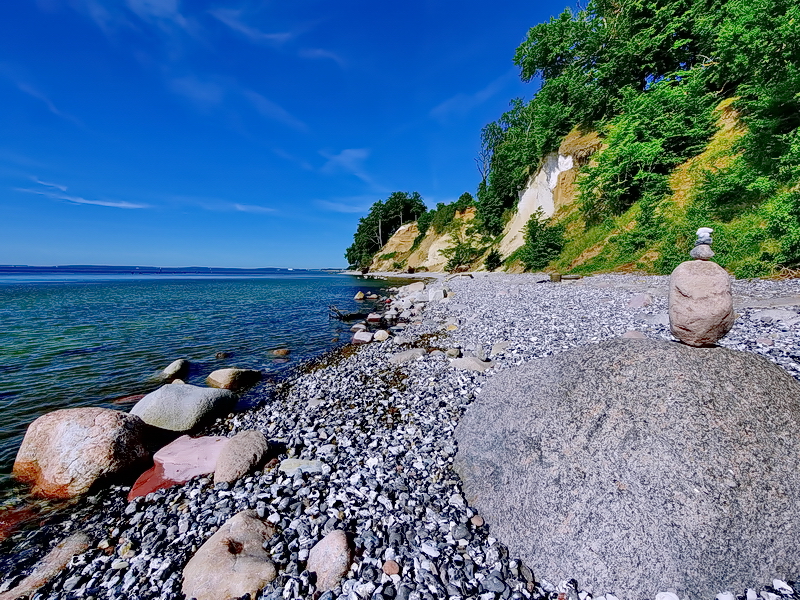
83,341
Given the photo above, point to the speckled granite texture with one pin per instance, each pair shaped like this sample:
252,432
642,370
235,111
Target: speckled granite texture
638,466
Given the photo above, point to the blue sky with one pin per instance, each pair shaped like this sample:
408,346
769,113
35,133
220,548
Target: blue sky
241,134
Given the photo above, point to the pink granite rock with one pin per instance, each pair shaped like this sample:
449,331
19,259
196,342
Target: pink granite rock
178,462
232,562
64,452
700,303
330,559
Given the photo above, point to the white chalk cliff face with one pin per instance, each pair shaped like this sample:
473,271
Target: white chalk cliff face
538,193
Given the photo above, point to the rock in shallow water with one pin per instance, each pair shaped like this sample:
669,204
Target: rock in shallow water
637,466
64,452
183,407
233,379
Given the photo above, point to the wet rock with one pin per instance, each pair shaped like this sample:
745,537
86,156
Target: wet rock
330,559
232,562
281,352
177,369
241,454
233,379
694,449
50,566
66,451
359,296
700,303
178,462
183,407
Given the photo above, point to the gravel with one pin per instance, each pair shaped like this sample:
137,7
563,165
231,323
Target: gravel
383,433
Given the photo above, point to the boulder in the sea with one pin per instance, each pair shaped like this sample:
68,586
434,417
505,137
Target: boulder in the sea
241,454
183,407
374,318
178,462
700,303
66,451
233,379
281,352
381,335
359,296
177,369
330,559
232,562
48,567
640,465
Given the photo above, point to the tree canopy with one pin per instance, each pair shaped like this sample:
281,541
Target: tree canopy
385,217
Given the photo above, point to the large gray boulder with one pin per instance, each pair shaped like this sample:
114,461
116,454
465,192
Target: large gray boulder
640,466
183,407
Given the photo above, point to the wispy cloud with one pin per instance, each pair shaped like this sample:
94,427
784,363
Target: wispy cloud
303,164
233,19
79,200
204,94
33,92
461,104
271,110
320,53
349,160
357,204
253,208
57,186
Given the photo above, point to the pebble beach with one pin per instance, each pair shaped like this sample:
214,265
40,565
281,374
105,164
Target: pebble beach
374,424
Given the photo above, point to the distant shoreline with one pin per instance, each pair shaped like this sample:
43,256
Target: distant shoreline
143,270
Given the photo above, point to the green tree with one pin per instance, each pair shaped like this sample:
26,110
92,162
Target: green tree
382,221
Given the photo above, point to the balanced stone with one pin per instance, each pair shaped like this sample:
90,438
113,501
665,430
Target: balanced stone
638,466
700,303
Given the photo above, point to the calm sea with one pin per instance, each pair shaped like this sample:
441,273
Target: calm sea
88,341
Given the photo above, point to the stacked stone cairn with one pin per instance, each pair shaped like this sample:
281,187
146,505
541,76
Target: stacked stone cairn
700,300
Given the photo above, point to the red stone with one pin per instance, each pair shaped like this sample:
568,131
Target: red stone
178,462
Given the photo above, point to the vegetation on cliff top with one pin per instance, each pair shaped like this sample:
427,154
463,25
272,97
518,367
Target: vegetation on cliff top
661,81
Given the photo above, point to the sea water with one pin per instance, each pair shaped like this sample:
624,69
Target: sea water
80,341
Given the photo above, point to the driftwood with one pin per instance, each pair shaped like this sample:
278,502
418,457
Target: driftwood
335,313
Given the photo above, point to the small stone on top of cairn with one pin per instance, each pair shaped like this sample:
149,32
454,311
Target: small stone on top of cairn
702,247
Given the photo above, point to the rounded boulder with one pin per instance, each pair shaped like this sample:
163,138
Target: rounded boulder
66,451
700,303
637,466
233,379
183,407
